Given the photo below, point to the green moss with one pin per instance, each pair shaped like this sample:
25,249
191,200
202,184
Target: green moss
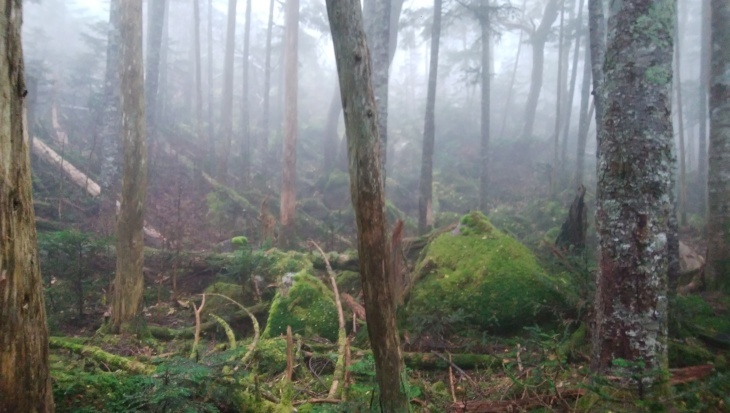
271,355
221,306
691,352
290,261
690,314
480,278
308,307
349,282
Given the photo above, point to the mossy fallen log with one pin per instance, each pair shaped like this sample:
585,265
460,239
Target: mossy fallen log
167,334
112,360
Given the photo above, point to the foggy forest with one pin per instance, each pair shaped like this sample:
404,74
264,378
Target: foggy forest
388,206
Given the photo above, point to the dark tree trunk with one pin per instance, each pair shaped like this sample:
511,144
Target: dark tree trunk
538,38
425,199
718,218
635,198
25,382
227,103
289,164
572,235
129,280
366,184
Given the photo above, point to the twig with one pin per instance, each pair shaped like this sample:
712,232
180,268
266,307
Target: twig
289,354
457,368
194,351
451,380
254,321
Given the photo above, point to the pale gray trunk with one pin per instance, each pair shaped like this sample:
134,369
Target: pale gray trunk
246,147
704,82
558,106
25,381
425,199
265,128
129,280
597,32
155,25
211,133
718,217
584,121
635,198
680,125
198,72
110,159
287,209
485,24
507,105
571,92
368,199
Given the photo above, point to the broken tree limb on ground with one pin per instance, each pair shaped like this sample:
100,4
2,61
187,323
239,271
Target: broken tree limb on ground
573,232
112,360
77,177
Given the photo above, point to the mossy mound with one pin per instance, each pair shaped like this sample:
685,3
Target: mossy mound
307,305
283,262
478,278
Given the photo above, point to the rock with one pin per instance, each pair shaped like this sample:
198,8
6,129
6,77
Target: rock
479,278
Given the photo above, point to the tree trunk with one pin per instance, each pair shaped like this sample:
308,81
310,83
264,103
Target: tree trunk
571,91
246,147
289,166
680,124
508,103
538,38
25,382
585,120
198,72
485,24
227,103
163,89
597,32
558,106
377,28
265,131
717,273
129,280
366,187
155,25
635,198
704,82
425,200
331,137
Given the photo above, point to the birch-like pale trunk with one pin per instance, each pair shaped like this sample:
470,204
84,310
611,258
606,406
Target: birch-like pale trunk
635,198
226,132
289,158
246,142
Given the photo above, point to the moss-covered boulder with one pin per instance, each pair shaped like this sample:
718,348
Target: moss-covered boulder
304,303
478,278
283,262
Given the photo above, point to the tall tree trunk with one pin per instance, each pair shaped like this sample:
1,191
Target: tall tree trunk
718,218
558,106
571,91
366,188
704,81
265,131
163,89
211,133
246,146
425,199
377,29
508,103
484,24
289,166
198,72
597,32
25,381
129,280
680,124
538,38
635,198
584,121
331,137
227,103
155,25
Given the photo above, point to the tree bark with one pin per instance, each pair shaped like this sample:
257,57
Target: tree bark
211,133
110,159
538,38
680,123
508,103
129,280
289,166
377,28
227,103
246,147
635,198
571,91
25,381
425,200
558,106
198,72
366,187
717,272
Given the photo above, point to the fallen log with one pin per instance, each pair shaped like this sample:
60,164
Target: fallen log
168,334
77,177
525,404
112,360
